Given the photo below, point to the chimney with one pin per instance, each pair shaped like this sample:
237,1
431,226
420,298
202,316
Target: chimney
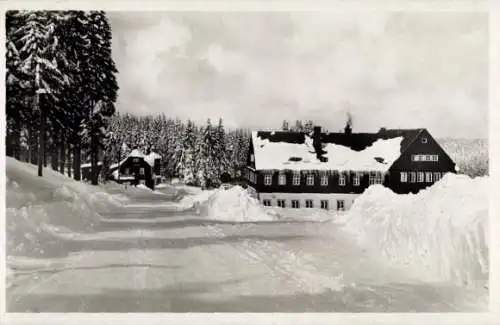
318,148
348,126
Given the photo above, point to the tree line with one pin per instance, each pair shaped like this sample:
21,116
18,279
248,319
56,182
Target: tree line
60,87
197,154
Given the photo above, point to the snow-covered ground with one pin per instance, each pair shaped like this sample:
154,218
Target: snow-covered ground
120,249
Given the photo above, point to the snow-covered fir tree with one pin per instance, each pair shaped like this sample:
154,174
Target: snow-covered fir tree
187,161
208,174
220,149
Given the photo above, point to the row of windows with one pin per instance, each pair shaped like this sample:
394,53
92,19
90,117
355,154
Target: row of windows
128,172
425,157
295,204
375,178
420,177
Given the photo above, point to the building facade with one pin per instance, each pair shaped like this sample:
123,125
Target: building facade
138,168
330,170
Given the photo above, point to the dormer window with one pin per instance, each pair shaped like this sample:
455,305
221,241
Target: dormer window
424,140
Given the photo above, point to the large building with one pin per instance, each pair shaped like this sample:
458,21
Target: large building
329,170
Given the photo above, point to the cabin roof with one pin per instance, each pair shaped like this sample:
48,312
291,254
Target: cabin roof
355,151
150,158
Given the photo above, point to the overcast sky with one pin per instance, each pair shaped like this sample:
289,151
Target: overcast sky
402,70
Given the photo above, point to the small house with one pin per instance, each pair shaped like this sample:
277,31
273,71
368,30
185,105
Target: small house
86,170
138,168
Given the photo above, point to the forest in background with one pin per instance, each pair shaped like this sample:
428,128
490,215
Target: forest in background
60,87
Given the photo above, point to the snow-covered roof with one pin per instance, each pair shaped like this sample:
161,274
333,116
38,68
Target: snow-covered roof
136,153
150,159
89,164
359,151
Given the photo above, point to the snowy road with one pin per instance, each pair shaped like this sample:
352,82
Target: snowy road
151,258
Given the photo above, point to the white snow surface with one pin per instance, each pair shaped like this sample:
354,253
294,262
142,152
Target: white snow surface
35,204
275,155
441,231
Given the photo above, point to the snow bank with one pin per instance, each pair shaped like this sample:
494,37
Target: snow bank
35,205
195,200
441,232
144,187
237,205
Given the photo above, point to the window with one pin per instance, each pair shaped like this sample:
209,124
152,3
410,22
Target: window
267,203
435,157
268,179
424,140
324,180
281,203
428,177
296,179
141,171
340,205
295,204
437,176
282,179
413,177
309,203
324,204
126,171
310,179
356,180
376,178
404,177
420,178
252,158
342,180
415,157
136,160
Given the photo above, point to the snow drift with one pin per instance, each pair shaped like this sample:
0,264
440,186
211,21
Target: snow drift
36,206
235,204
441,231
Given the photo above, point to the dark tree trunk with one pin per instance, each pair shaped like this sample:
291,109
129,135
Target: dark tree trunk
77,153
28,140
93,158
34,146
9,138
69,165
54,150
41,135
46,149
17,138
62,154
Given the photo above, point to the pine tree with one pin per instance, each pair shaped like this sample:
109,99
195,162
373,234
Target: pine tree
220,153
39,52
187,161
207,168
284,125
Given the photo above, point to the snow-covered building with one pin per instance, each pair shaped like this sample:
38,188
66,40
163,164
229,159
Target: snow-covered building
329,170
138,168
86,170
